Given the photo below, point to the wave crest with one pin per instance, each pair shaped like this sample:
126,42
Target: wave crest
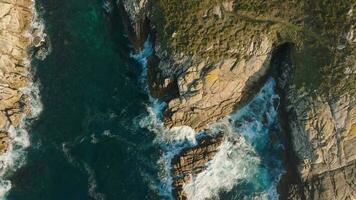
15,157
246,159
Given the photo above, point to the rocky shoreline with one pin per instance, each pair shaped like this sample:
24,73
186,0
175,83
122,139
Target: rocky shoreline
318,120
16,19
18,93
192,161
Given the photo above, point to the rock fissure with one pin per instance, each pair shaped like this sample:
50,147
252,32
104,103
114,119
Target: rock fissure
318,133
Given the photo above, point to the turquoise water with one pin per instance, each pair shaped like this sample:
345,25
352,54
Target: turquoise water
98,136
85,144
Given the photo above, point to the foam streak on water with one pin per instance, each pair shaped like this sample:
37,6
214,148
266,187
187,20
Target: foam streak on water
15,157
141,57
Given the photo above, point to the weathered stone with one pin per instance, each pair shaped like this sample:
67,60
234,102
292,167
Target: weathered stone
3,121
217,62
192,161
211,91
4,142
15,19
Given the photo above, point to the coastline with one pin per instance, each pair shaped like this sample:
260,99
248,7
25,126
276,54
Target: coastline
317,90
21,32
204,63
178,166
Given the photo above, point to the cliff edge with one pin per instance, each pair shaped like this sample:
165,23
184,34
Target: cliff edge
210,57
17,35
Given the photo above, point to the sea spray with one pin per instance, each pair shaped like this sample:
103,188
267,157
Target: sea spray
15,157
241,158
141,57
40,42
171,141
247,157
108,6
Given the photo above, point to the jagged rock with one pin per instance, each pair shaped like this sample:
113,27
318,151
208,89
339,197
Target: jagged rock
3,121
4,142
328,130
192,161
15,20
208,91
217,62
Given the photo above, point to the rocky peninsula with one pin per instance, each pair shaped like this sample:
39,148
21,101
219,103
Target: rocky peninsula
210,57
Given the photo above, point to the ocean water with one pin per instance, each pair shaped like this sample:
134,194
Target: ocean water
85,143
100,135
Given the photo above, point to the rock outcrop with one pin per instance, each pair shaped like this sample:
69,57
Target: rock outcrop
209,91
324,136
322,123
213,55
192,161
16,17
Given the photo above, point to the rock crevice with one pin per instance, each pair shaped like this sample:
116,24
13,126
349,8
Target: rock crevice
16,18
210,58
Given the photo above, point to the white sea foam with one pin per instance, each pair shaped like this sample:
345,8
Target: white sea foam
38,37
92,185
234,162
107,133
5,186
68,155
108,6
93,139
171,141
15,156
238,160
141,57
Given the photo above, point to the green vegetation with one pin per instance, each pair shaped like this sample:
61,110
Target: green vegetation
194,27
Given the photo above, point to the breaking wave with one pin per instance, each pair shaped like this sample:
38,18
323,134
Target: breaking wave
171,141
141,57
15,157
247,165
248,157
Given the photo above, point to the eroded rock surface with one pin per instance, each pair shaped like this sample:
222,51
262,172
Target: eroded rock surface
15,19
214,53
324,138
192,161
209,91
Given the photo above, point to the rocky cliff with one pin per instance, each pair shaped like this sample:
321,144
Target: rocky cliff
16,36
211,56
